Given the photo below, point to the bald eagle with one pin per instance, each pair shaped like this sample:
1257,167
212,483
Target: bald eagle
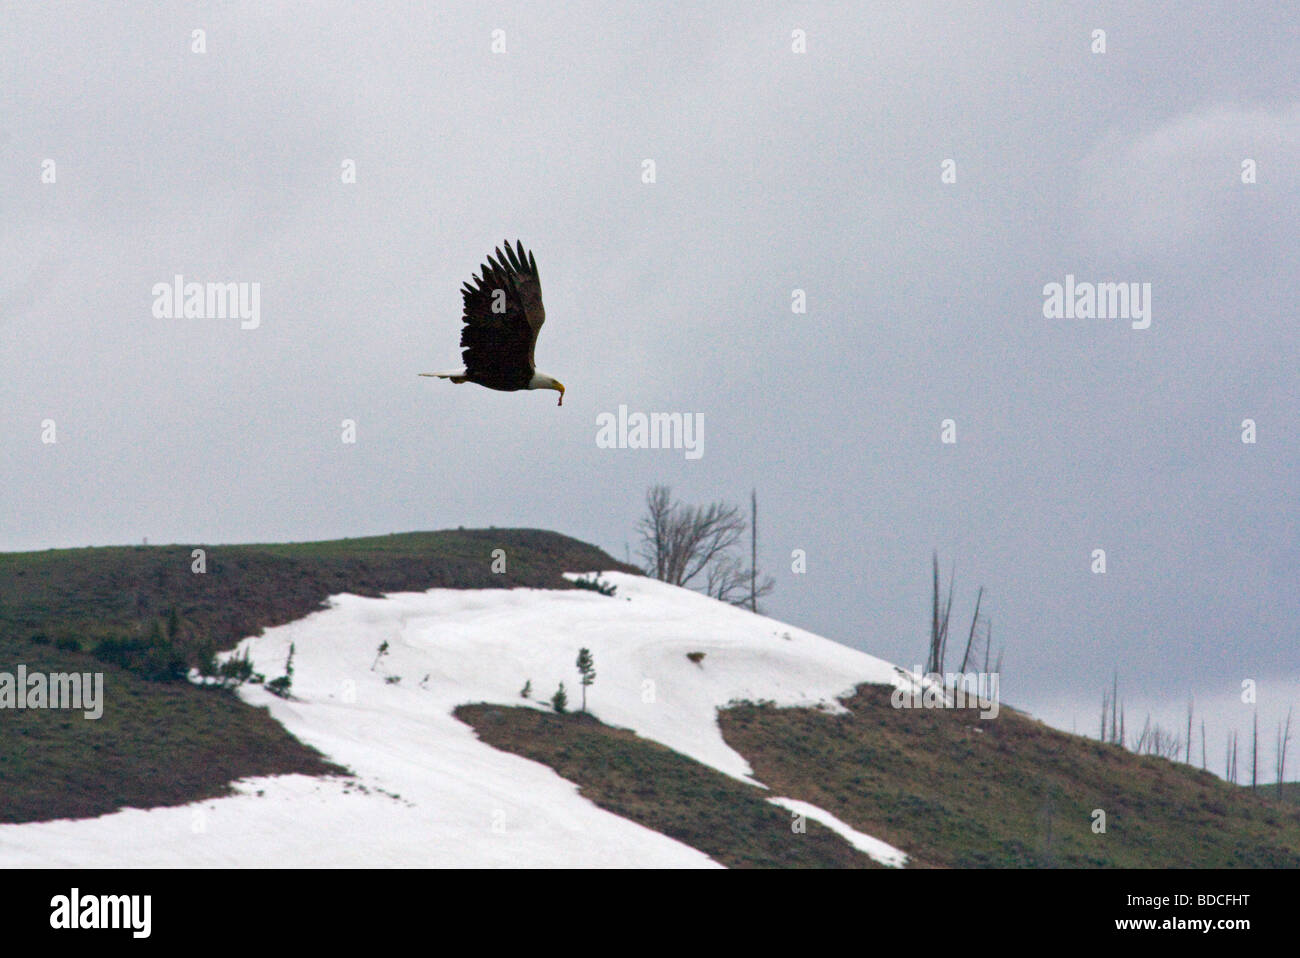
503,315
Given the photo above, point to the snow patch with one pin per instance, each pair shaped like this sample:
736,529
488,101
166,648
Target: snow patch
882,852
427,791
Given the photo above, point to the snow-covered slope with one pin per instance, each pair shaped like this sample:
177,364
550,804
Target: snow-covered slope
427,792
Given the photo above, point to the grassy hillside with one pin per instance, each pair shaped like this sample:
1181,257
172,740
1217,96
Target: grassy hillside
960,791
81,595
1287,793
946,787
656,787
169,742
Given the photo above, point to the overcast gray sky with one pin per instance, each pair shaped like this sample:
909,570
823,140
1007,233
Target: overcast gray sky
774,171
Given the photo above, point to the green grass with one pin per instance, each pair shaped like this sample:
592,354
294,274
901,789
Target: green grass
954,790
1287,793
82,595
166,743
156,744
944,786
948,788
654,786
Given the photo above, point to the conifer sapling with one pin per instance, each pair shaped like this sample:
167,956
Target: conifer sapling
587,670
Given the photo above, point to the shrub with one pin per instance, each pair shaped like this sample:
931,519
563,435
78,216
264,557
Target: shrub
155,662
281,686
207,660
696,657
560,700
235,671
596,585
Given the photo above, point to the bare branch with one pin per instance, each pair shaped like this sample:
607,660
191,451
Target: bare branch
695,547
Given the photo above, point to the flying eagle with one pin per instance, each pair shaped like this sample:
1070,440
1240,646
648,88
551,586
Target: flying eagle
503,315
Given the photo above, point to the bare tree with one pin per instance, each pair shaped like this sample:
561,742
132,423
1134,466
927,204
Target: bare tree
1112,732
1144,737
694,547
939,624
933,661
970,637
680,542
654,529
1283,740
1155,740
980,632
1254,753
753,550
1114,706
727,579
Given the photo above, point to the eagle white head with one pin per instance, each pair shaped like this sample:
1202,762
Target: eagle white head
543,381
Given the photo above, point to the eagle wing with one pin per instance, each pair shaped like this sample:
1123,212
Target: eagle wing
503,314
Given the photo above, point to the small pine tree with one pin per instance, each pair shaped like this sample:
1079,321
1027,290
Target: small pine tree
207,656
560,700
527,690
284,683
236,670
587,671
383,650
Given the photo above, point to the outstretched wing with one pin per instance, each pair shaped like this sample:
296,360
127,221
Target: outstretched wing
503,314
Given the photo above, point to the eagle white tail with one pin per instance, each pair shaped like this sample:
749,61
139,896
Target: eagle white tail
455,375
